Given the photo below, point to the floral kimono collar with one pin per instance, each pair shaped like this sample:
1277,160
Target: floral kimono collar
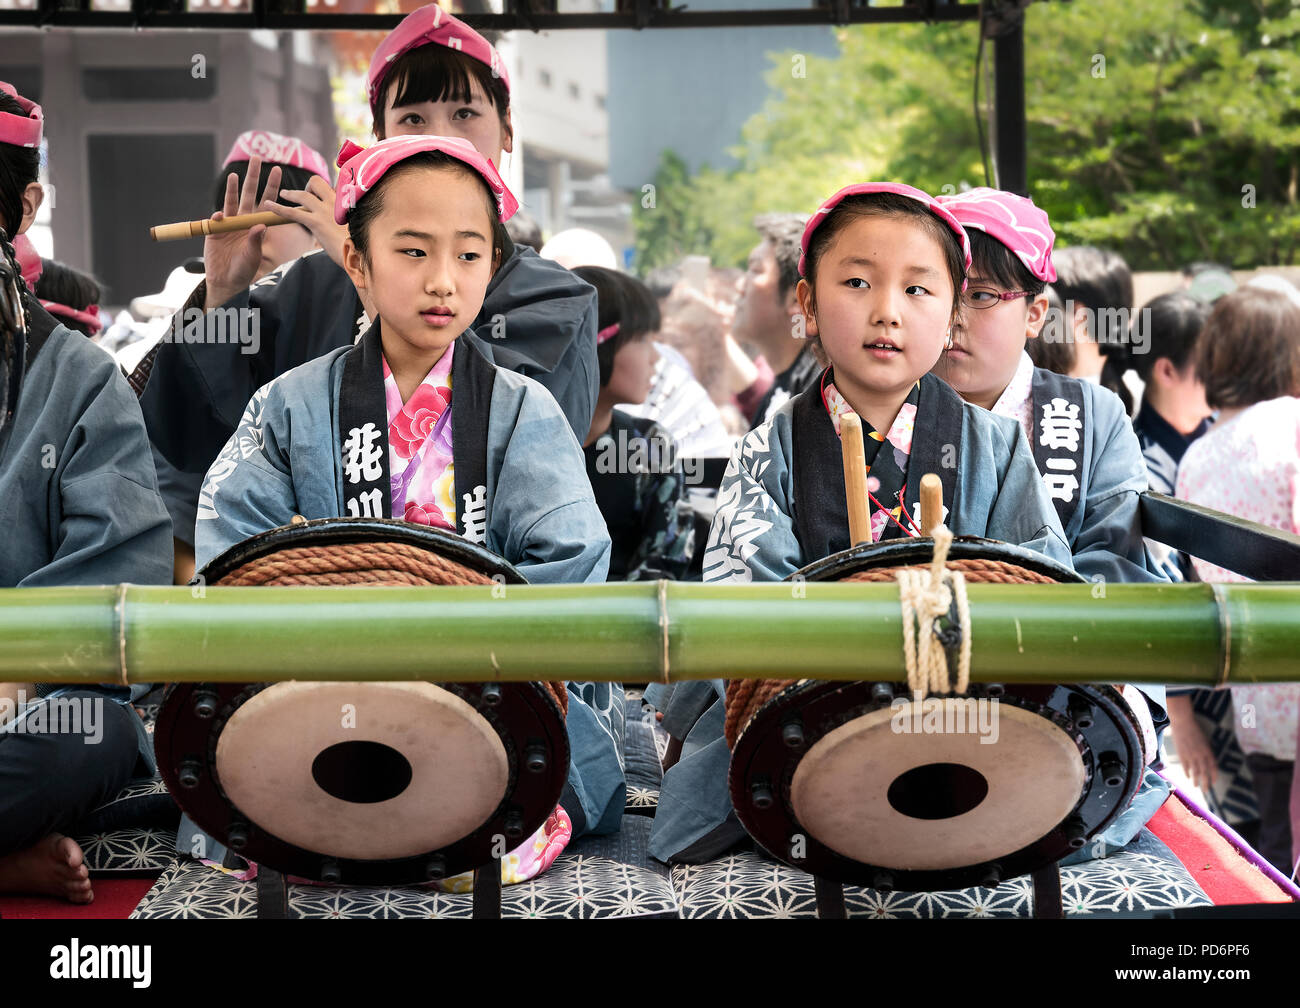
380,481
420,465
886,470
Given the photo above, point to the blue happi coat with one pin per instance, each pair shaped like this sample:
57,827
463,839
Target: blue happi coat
78,499
537,319
754,537
1100,494
285,459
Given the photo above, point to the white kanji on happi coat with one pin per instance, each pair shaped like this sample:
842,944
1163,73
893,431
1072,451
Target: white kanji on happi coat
1059,431
475,514
363,455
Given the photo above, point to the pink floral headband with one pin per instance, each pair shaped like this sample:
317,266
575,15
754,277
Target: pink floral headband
21,131
281,149
431,25
1013,220
865,188
361,168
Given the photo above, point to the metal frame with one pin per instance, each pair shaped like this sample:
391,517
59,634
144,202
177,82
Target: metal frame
291,15
1244,547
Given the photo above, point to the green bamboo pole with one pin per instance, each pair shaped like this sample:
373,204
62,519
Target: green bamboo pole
1022,633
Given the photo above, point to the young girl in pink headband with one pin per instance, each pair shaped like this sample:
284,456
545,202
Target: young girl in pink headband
1079,432
414,422
432,75
883,266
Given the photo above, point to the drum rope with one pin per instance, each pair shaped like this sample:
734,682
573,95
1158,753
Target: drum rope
744,697
926,595
378,563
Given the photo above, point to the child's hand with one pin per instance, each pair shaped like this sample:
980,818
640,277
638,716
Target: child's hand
231,261
1194,752
315,212
1195,755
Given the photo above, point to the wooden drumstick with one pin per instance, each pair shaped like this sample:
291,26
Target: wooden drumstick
931,503
855,478
198,228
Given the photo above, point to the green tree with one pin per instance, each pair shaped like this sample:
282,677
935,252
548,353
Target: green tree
1168,132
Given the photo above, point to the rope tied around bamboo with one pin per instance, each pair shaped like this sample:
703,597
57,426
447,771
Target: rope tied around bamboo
367,563
744,697
926,596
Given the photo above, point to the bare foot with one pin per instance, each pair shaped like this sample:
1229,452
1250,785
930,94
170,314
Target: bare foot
53,866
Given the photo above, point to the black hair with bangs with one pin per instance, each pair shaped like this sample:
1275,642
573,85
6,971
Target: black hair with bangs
887,205
621,300
371,205
435,73
997,264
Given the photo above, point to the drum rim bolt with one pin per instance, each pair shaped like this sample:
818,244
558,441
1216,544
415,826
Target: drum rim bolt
882,693
330,871
514,825
1080,712
203,699
1076,832
188,768
535,757
992,870
792,734
435,869
491,694
761,796
995,690
883,881
237,836
1111,768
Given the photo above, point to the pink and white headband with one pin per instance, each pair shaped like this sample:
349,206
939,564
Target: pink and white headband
281,149
21,131
1013,220
431,25
865,188
361,168
89,318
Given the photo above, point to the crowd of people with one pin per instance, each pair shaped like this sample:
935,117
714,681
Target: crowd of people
417,358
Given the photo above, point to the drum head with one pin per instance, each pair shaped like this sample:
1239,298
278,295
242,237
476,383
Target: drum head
867,791
843,781
374,770
918,551
364,783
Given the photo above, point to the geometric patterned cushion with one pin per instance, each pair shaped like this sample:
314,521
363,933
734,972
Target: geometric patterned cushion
141,850
135,832
642,760
1143,876
641,801
597,877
